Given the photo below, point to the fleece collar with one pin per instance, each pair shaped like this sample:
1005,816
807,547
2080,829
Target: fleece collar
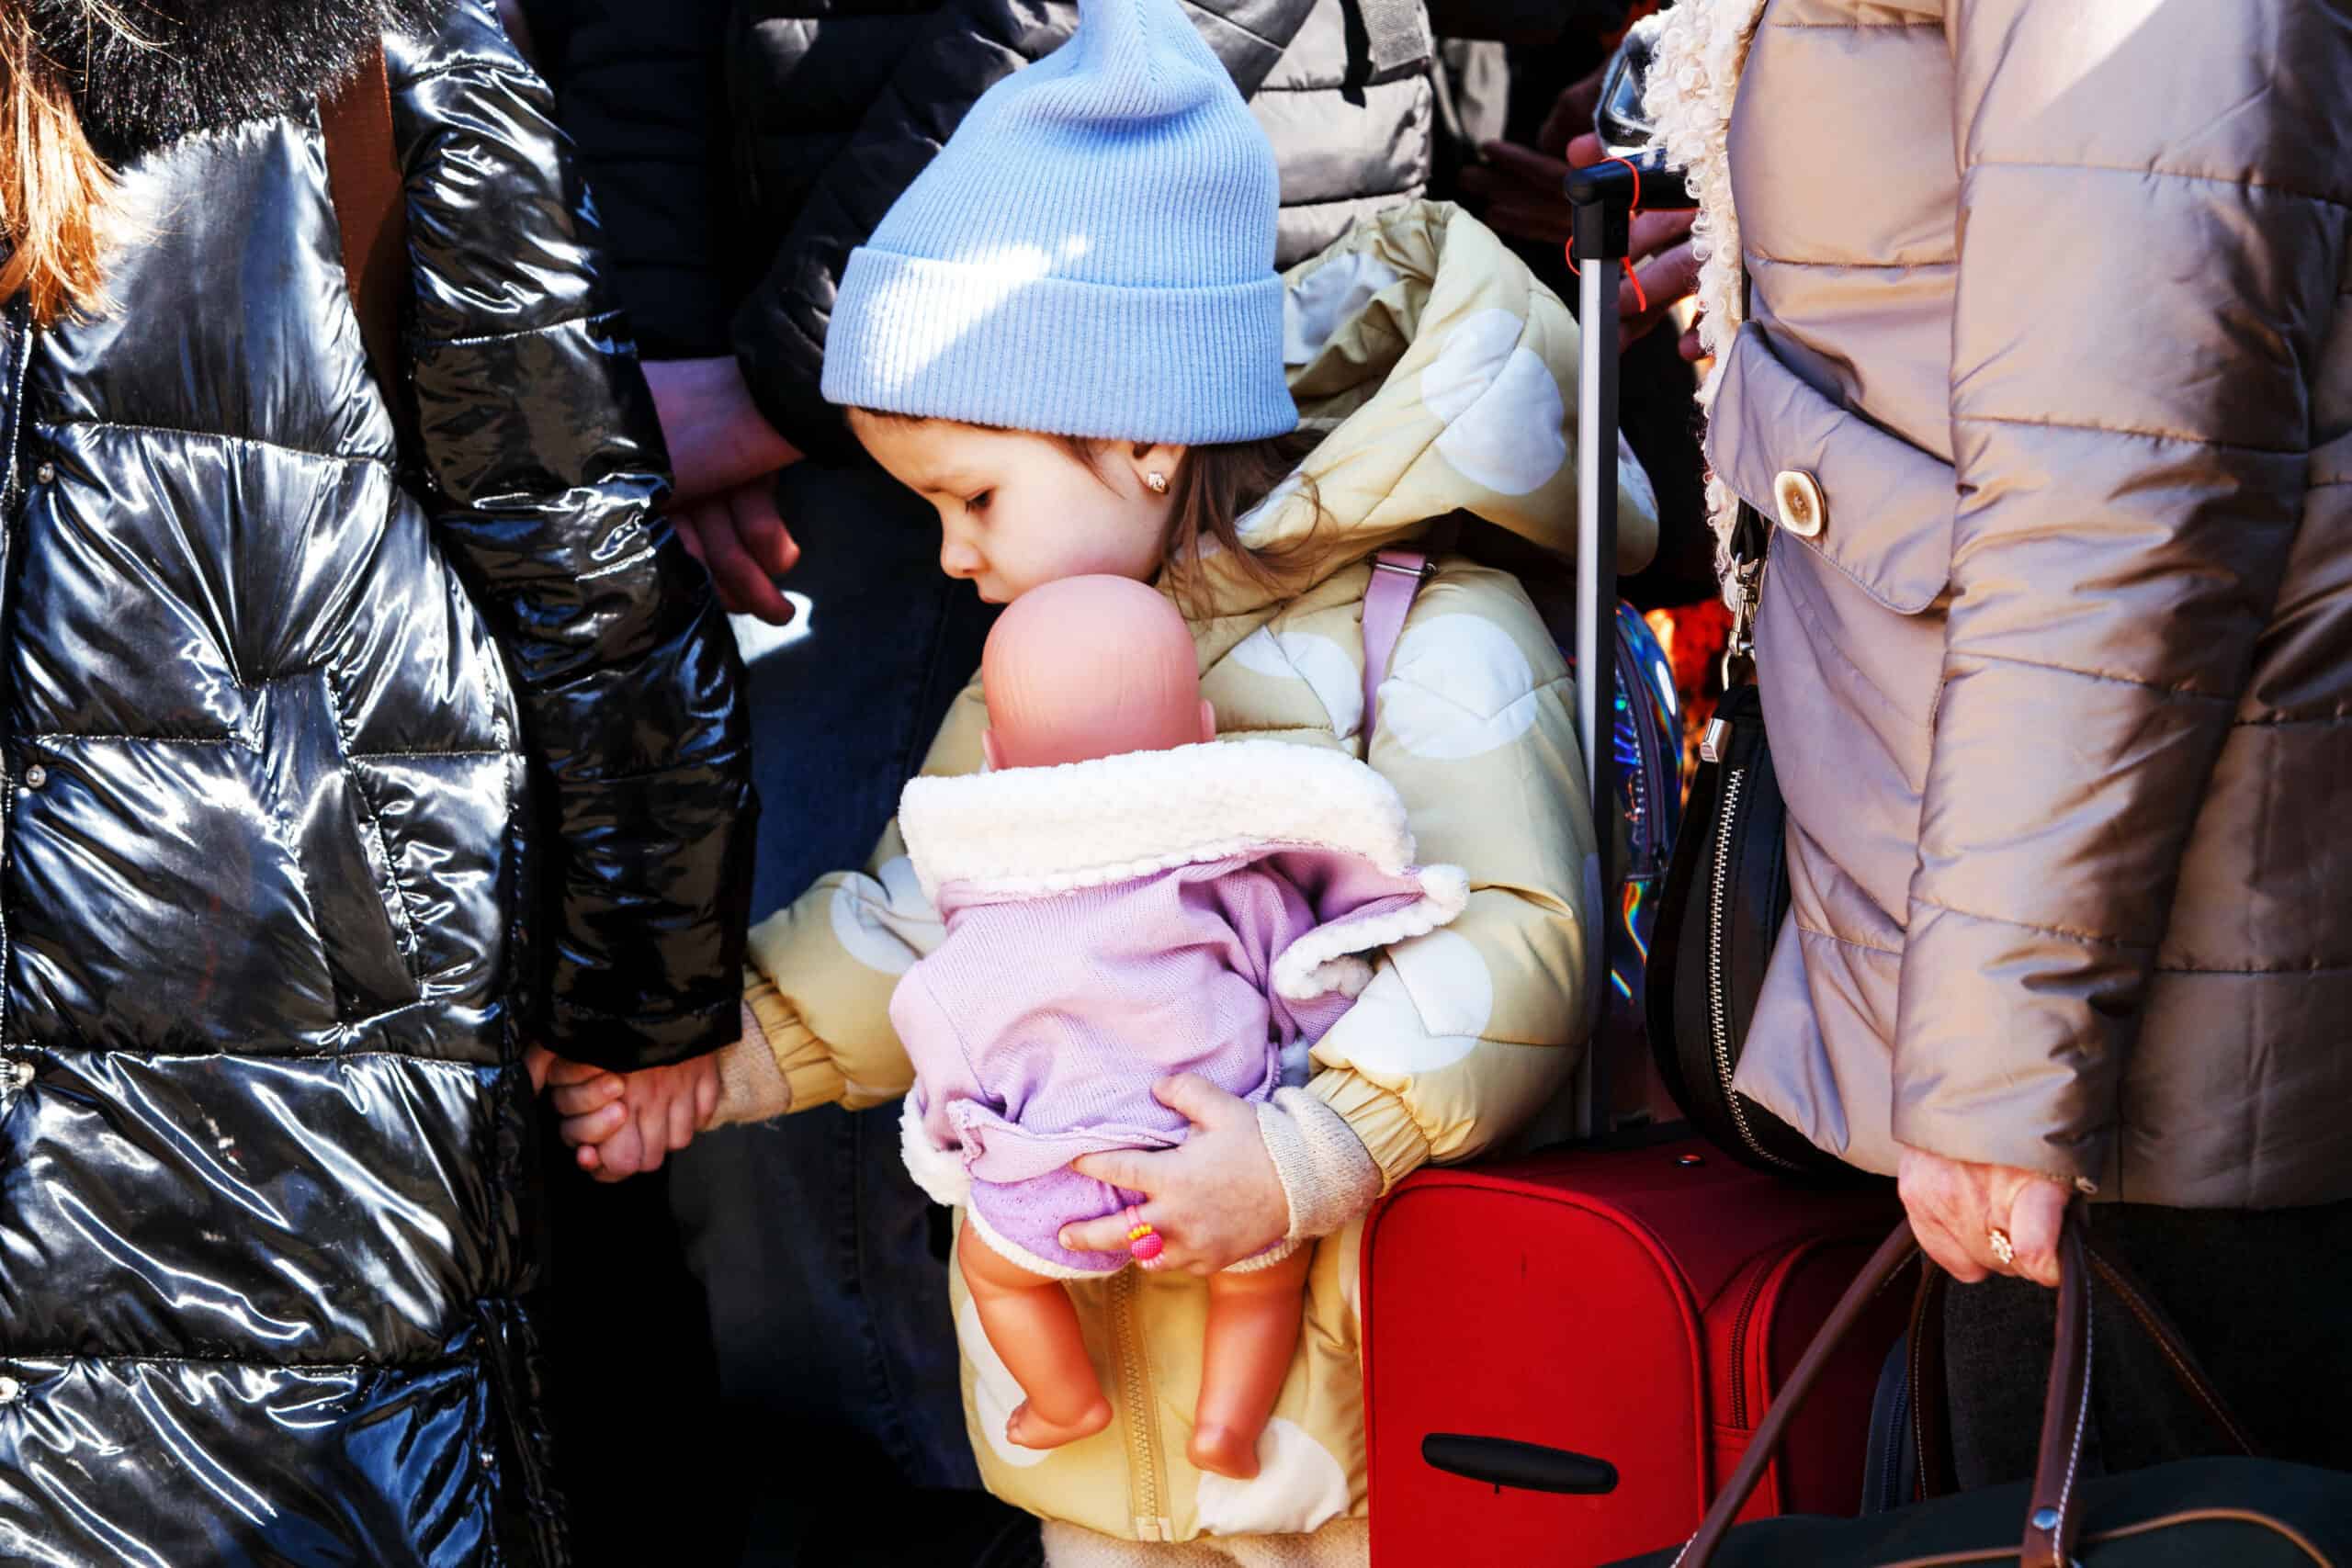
1693,83
170,68
1036,830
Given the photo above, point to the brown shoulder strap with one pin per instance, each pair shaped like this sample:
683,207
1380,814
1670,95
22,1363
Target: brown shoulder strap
364,175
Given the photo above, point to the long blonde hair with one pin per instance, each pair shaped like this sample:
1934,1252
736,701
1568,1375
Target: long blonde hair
60,204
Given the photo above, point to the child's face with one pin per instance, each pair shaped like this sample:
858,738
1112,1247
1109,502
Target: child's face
1017,510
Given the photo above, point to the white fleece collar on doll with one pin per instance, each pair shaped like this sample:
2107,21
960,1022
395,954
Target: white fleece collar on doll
1035,832
1038,831
1025,830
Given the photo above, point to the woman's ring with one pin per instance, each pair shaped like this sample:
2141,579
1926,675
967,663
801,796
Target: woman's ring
2003,1249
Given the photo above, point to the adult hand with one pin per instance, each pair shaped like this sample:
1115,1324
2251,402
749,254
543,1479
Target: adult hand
716,435
1955,1206
1215,1198
1525,198
740,537
622,1124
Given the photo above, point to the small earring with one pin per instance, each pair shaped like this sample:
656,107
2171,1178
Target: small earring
1156,482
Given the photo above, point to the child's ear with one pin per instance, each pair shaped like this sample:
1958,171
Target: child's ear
988,750
1161,459
1209,719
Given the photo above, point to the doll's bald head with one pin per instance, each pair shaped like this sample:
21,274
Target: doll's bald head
1090,667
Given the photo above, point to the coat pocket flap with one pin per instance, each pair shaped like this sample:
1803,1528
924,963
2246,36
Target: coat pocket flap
1887,506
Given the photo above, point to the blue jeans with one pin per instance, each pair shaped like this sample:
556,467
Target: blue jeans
823,1265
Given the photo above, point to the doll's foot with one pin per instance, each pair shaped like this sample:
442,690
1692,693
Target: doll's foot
1224,1451
1032,1430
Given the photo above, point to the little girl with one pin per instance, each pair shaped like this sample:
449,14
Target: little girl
1122,902
1067,335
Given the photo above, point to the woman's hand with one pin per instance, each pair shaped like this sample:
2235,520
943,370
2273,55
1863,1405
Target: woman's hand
1955,1208
1215,1201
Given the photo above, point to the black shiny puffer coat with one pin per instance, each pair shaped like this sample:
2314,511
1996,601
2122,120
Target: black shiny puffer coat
333,772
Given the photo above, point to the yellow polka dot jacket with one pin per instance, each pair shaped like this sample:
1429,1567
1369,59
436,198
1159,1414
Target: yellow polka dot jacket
1444,376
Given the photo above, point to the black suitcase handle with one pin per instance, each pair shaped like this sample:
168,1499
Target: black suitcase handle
1526,1467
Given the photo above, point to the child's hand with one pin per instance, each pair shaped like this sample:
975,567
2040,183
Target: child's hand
623,1123
1215,1201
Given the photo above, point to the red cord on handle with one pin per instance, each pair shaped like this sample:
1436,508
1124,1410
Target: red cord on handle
1641,295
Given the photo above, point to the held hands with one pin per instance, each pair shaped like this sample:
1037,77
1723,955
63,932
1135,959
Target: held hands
621,1124
1955,1208
1215,1200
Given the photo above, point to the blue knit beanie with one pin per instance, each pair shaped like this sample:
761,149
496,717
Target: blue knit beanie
1092,254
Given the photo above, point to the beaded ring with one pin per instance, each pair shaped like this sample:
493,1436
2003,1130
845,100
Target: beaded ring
1144,1242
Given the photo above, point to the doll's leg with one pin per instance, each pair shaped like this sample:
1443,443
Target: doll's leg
1031,1322
1252,1334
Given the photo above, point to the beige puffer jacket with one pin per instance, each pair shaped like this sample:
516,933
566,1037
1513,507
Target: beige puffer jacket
1444,376
2048,314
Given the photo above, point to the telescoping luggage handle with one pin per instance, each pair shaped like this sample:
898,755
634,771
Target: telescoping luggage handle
1603,199
2053,1520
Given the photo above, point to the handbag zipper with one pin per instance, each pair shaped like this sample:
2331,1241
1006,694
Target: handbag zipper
1718,985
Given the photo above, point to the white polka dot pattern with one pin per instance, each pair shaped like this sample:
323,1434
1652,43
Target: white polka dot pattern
864,910
1505,425
1328,669
1299,1487
1459,687
995,1396
1382,1035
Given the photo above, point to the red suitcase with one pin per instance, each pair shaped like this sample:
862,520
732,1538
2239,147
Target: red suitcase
1610,1320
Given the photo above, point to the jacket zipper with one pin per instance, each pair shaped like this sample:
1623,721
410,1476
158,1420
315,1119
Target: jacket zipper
14,495
1740,1342
1718,984
1135,1389
1919,1422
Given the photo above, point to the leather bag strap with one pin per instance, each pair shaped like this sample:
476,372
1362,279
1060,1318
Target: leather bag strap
371,207
2054,1519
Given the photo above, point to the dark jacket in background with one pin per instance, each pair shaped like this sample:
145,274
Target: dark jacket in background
328,762
830,109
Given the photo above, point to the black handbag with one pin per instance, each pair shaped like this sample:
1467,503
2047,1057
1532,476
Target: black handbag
2238,1511
1726,897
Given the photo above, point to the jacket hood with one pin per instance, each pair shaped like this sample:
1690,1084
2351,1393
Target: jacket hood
1442,377
149,73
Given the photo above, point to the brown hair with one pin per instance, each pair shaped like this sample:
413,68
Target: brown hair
1214,489
58,197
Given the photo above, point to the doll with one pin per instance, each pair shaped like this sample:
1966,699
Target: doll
1125,898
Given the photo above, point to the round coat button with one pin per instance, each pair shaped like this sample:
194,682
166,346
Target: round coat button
1798,499
36,776
46,473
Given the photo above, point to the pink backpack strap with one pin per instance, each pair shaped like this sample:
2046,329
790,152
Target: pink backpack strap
1397,579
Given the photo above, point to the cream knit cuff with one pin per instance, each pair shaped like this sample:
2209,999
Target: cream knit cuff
1327,1176
752,1087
